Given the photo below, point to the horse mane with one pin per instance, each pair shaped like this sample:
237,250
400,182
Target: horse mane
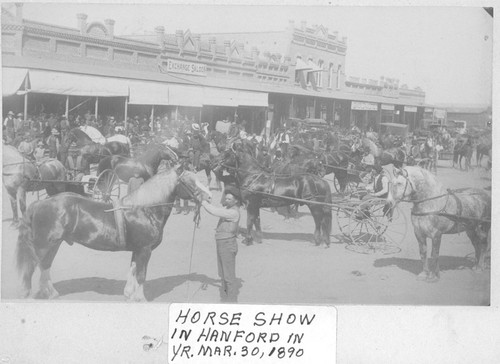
424,182
155,190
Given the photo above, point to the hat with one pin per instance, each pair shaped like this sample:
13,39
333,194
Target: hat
55,131
111,118
40,143
10,113
20,114
233,191
136,118
195,127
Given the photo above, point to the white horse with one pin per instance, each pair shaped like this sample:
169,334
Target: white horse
437,211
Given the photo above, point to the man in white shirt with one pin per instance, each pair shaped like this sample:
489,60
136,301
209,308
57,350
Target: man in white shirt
225,238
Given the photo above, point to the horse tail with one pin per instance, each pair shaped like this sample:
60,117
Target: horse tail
27,258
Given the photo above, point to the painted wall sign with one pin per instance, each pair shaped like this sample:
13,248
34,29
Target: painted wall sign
364,106
387,107
189,68
410,109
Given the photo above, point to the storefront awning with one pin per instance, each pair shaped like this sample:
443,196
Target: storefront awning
148,93
220,97
12,80
76,84
181,95
247,98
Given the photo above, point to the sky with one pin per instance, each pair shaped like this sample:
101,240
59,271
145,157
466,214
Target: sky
446,51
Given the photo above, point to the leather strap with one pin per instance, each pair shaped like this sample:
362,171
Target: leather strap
120,223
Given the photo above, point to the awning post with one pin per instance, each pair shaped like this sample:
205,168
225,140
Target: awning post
67,107
151,124
126,115
96,107
25,99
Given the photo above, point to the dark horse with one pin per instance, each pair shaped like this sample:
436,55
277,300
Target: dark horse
462,151
136,226
147,163
261,189
90,150
437,211
21,175
395,156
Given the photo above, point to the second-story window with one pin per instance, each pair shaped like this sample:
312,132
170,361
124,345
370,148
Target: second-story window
310,75
331,71
319,77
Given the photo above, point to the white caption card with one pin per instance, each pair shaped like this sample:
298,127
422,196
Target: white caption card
251,334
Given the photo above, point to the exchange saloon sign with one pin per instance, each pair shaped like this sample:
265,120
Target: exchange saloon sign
189,68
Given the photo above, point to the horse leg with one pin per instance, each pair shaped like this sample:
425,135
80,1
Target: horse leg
21,196
13,204
258,230
422,245
131,285
326,225
479,239
317,215
47,290
141,260
434,269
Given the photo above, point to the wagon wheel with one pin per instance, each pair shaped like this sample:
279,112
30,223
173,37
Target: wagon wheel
375,228
350,187
343,220
107,187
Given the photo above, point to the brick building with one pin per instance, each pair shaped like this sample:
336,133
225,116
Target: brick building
295,73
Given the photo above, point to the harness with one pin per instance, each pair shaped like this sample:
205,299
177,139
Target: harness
121,228
456,218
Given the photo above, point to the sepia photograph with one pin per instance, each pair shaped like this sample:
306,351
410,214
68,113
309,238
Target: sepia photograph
246,154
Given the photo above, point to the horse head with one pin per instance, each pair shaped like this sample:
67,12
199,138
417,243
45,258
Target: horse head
168,154
190,187
400,186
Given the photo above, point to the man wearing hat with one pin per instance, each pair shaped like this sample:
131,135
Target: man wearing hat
8,124
76,164
19,123
26,147
226,244
53,143
39,152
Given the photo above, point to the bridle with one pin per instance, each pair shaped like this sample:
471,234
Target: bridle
408,183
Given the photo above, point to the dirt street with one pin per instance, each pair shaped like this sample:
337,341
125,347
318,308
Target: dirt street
286,268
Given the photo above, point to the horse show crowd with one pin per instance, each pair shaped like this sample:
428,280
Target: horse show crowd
41,135
277,167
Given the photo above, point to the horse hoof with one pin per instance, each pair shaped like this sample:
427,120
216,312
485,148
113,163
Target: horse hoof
432,279
477,269
422,276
